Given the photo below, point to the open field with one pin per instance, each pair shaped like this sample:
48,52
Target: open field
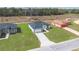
59,35
62,17
21,41
14,19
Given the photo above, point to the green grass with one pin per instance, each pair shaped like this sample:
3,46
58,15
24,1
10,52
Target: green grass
59,35
21,41
74,26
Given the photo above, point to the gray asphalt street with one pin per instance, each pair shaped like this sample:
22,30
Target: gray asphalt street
66,46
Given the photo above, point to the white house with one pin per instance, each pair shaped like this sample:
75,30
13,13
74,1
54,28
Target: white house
39,26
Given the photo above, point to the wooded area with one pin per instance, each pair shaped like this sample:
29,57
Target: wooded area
35,11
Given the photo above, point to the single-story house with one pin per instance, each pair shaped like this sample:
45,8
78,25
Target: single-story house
8,28
39,26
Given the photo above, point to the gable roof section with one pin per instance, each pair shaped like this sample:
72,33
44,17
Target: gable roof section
7,26
38,24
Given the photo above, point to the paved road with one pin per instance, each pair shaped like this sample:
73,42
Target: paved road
65,46
44,40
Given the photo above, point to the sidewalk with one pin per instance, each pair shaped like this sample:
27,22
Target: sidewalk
6,37
71,30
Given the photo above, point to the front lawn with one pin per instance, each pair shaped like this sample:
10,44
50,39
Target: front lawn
59,35
21,41
74,26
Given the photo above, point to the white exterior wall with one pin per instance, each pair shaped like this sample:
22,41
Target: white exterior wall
36,30
31,28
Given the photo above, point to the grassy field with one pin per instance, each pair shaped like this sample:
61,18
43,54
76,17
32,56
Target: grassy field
59,35
21,41
74,26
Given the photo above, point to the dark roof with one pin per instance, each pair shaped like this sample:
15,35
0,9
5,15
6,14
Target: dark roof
38,24
7,25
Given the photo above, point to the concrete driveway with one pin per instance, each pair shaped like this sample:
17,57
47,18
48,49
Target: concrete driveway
44,40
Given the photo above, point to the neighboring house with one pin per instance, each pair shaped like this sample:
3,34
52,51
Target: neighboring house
8,28
60,23
39,26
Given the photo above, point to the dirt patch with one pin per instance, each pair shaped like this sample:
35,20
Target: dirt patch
17,19
77,21
13,19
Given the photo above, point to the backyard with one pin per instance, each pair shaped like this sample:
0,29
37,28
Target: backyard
20,41
58,35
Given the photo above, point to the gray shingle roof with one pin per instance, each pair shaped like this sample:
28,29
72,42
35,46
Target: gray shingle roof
38,24
7,26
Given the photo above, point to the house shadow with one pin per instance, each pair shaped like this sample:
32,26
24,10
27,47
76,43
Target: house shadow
19,30
3,35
